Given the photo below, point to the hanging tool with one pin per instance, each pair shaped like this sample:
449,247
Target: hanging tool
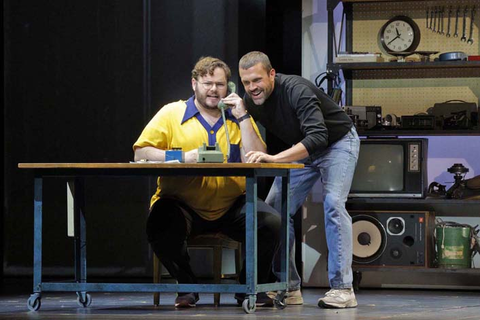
439,12
464,37
439,15
431,18
470,39
426,20
448,21
434,20
442,13
456,23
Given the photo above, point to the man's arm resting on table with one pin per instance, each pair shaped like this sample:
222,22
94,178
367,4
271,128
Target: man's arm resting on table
295,153
154,154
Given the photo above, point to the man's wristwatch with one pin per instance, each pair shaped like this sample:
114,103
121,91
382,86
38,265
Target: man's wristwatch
246,116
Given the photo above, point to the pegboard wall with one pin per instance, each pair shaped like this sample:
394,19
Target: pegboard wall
414,93
368,19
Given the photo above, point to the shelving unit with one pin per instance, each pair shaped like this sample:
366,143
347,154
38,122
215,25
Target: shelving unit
441,207
376,13
439,80
406,65
398,132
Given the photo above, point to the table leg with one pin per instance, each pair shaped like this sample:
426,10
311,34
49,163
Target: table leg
76,186
251,244
34,302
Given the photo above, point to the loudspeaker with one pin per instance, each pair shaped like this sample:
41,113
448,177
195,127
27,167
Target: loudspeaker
392,238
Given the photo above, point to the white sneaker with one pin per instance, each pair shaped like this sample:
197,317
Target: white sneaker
338,298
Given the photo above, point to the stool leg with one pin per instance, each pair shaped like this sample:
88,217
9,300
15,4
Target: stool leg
157,277
217,272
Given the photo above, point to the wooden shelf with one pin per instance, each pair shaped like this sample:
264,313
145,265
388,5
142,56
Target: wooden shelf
360,1
333,3
421,133
404,65
441,206
366,268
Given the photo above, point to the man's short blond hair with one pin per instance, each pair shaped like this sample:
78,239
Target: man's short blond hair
253,58
207,65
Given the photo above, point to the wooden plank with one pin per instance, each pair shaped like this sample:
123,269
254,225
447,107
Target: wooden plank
148,165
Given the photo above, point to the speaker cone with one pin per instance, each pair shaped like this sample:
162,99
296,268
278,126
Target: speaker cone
395,253
395,226
369,239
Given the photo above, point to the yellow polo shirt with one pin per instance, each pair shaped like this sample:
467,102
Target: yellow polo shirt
180,125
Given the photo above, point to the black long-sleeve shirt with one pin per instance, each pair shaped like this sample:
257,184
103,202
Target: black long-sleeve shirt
298,111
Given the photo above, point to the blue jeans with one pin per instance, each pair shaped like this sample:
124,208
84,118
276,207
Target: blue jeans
335,167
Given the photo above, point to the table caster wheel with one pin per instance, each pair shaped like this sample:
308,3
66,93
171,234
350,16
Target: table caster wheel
279,300
249,305
84,301
34,302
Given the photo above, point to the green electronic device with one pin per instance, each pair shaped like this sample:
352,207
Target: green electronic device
211,154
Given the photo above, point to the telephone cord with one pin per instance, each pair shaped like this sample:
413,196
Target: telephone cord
226,132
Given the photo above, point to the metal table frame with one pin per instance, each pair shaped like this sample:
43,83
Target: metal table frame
76,172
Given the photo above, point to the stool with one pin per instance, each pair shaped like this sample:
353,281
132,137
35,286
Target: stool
215,241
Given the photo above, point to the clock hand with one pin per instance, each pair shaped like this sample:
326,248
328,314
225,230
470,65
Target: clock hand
399,35
393,40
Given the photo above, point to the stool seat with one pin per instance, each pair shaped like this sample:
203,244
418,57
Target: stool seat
215,241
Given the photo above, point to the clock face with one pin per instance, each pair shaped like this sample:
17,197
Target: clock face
400,34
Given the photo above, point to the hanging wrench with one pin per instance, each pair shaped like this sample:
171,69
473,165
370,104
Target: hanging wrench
448,22
470,40
431,19
456,23
426,20
443,20
464,37
434,20
439,15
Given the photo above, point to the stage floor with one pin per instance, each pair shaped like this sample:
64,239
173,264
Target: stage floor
373,304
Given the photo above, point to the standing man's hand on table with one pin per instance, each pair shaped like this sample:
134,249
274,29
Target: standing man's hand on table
258,156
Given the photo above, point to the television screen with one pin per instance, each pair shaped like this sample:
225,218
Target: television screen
380,168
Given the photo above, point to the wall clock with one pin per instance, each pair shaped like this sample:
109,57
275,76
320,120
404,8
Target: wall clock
400,35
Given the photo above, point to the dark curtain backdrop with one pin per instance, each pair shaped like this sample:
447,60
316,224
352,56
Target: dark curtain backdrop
82,79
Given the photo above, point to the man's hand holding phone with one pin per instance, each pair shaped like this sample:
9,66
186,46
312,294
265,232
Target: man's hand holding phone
235,103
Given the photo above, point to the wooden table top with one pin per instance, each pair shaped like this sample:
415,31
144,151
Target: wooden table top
157,165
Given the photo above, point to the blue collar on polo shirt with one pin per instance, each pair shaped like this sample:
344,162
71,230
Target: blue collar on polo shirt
192,111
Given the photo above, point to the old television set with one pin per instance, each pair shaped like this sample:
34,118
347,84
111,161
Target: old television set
391,168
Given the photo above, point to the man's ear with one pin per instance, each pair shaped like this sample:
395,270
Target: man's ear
272,73
193,84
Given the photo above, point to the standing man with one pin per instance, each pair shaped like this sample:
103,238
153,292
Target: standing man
315,131
184,207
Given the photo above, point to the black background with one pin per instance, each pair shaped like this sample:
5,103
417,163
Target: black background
82,79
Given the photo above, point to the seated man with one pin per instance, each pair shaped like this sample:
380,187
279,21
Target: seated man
183,207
